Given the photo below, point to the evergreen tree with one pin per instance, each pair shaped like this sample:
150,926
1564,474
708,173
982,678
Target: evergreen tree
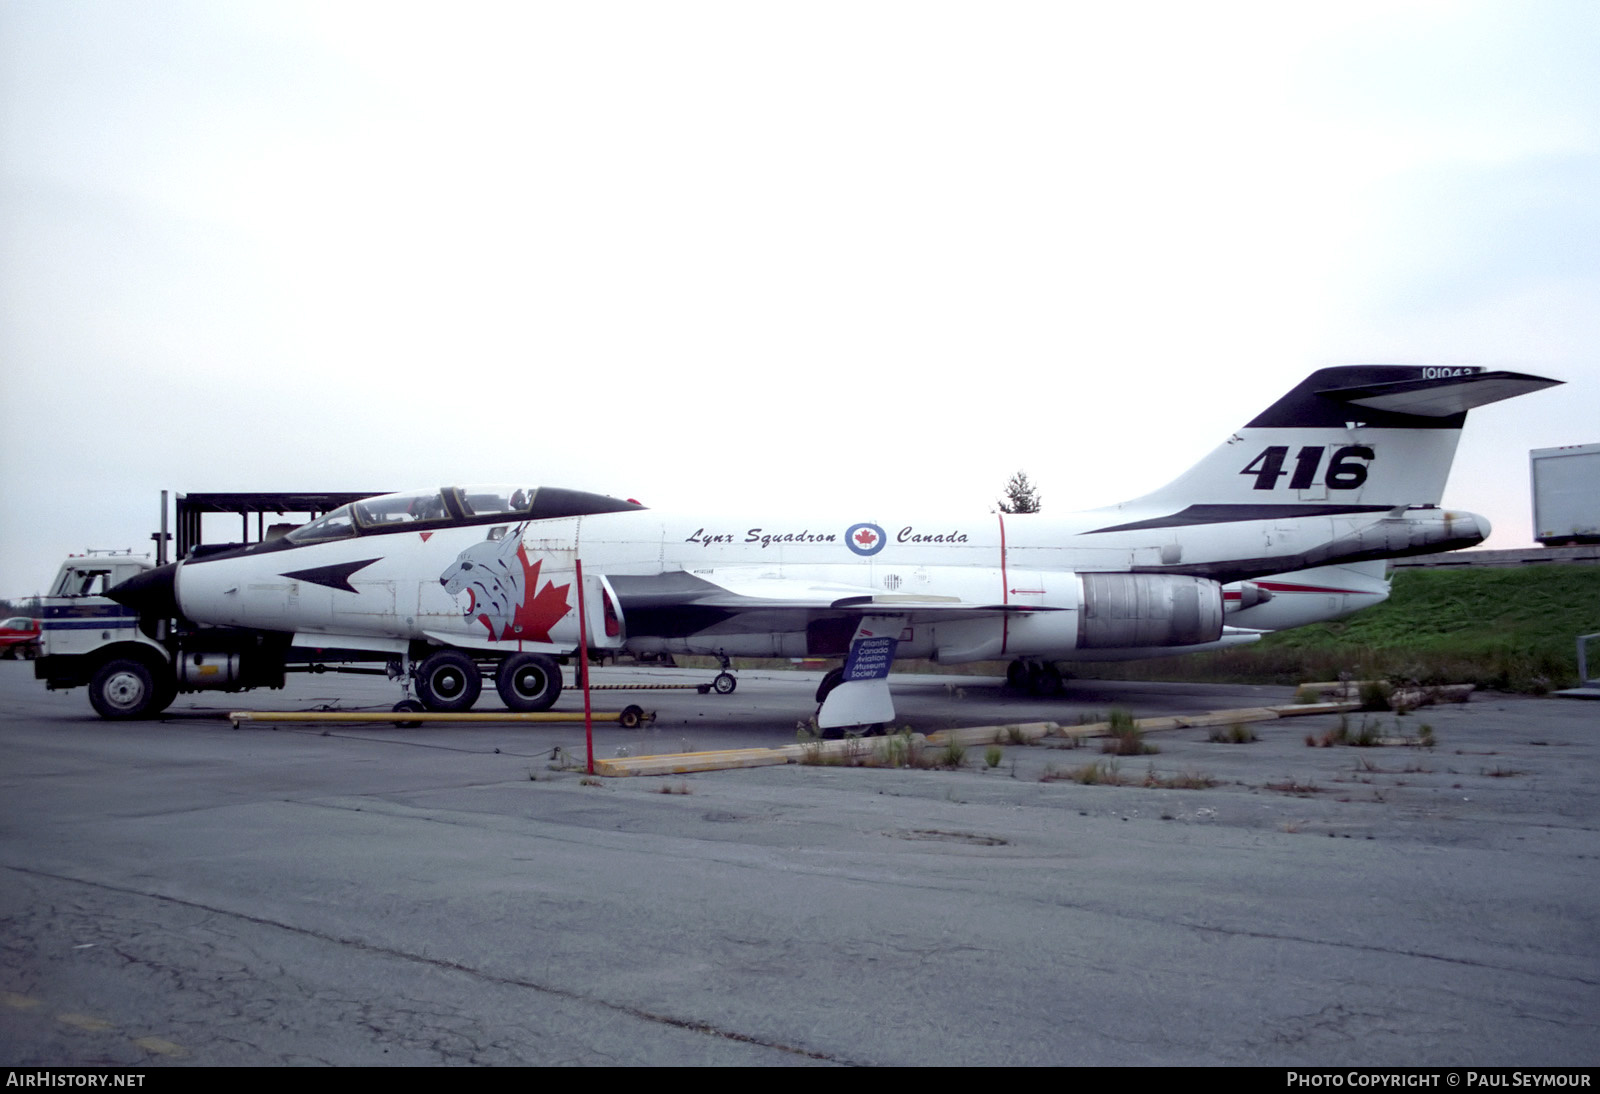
1021,496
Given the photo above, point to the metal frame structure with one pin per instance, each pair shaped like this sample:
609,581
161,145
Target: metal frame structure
190,508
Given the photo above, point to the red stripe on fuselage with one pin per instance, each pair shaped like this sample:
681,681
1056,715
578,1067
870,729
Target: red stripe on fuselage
1005,595
1285,587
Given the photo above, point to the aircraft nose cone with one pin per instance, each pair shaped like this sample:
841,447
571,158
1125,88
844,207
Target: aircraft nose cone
153,593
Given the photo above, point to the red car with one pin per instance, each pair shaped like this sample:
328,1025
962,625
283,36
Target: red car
19,637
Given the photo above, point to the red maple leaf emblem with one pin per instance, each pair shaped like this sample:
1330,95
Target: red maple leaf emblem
865,537
537,614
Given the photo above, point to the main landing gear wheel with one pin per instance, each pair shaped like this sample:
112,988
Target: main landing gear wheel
1044,680
830,680
528,682
408,706
839,733
1034,678
124,689
724,683
448,682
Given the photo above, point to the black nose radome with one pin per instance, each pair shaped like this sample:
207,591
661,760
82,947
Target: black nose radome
153,593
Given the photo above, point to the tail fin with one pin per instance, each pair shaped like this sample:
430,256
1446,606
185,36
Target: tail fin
1349,439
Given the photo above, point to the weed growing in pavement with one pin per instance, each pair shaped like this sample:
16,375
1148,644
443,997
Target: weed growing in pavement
1126,738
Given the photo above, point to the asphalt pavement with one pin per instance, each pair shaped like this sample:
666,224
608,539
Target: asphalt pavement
182,892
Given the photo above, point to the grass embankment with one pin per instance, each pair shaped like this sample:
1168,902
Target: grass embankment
1510,629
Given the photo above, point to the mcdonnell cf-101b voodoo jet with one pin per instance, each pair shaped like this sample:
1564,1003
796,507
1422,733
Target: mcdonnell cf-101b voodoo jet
465,583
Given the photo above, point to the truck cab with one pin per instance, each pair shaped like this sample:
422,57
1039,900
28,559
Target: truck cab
78,617
87,638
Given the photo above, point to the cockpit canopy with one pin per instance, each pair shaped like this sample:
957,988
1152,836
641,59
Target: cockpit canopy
455,505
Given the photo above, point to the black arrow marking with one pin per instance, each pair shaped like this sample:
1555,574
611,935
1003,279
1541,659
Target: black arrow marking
334,577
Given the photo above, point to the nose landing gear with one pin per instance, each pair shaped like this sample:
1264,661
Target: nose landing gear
724,682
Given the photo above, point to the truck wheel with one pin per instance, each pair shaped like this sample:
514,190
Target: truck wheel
528,682
124,689
448,681
166,692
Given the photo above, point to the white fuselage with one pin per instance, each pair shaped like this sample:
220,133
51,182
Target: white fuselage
415,585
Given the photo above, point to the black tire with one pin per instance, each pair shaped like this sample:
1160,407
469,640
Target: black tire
528,682
408,706
1017,676
166,692
724,683
631,717
1044,681
124,689
830,680
449,682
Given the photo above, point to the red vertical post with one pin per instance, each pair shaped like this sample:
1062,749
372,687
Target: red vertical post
583,666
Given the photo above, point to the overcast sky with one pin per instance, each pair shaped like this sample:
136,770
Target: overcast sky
811,257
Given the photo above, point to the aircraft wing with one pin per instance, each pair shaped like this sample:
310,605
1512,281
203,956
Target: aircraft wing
734,590
677,603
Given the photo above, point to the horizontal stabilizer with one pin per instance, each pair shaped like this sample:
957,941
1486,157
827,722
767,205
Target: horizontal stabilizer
1440,398
1394,396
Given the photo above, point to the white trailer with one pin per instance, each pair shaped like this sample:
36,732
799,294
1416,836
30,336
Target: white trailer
1566,494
